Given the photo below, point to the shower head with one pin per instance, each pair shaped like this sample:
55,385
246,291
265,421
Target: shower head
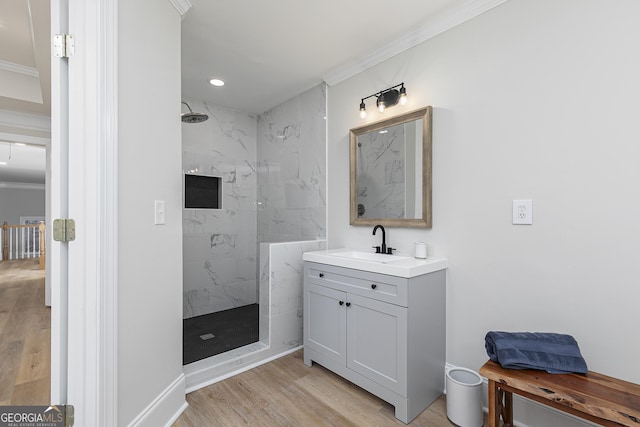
192,117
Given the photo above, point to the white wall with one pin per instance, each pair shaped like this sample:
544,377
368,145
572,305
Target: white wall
150,256
17,202
533,99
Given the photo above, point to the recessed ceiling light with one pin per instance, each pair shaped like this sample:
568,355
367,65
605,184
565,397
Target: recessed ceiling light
216,82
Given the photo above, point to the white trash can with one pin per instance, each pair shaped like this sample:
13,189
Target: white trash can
464,397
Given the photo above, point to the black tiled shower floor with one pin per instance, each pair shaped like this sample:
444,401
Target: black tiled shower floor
231,329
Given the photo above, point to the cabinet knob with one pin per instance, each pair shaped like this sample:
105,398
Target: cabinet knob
348,304
373,286
321,274
341,303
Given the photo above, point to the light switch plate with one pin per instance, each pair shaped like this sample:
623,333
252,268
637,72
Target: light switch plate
159,212
522,212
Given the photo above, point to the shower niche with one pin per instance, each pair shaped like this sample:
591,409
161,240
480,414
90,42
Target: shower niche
202,191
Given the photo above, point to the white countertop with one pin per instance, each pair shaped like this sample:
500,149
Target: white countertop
404,266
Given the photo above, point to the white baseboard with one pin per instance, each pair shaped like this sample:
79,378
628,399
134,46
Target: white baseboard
165,408
177,414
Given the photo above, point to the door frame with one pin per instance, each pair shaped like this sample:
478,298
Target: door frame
57,204
84,282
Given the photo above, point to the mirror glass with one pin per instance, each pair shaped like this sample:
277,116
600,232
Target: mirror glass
390,164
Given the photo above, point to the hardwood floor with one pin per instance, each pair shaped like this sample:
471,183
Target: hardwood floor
25,335
286,392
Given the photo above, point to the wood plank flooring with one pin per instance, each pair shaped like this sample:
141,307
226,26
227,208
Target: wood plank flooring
25,335
286,392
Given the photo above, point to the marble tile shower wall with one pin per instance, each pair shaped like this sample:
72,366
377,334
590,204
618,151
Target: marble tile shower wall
219,246
292,169
274,190
281,299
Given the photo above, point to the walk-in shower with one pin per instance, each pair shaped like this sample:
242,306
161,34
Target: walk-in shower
245,258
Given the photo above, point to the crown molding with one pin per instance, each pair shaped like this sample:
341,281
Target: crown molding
19,69
431,28
182,6
22,120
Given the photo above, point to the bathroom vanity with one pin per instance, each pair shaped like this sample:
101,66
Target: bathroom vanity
378,321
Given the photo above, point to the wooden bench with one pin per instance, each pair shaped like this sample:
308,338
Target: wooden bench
595,397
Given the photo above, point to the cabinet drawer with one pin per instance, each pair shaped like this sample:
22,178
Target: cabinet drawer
380,287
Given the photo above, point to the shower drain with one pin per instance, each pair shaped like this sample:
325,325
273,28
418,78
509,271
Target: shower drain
207,336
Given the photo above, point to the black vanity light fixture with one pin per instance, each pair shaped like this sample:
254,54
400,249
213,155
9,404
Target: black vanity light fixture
386,98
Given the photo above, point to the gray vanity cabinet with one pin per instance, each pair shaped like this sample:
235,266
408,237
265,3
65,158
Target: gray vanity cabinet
383,333
362,335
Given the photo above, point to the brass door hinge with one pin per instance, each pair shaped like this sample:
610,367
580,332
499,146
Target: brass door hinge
64,230
68,415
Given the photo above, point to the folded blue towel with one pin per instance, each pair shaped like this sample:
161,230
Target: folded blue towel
554,353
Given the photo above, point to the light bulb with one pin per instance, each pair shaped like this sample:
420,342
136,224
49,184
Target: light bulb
380,103
363,110
403,96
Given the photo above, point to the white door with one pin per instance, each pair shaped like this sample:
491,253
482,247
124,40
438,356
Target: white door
377,342
325,321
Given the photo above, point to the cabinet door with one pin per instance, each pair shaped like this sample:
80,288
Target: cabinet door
325,321
377,342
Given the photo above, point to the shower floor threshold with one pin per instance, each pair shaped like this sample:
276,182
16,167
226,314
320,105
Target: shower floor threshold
219,367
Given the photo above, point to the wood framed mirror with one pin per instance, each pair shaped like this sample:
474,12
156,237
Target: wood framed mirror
390,171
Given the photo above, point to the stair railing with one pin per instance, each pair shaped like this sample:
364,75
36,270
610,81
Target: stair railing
23,241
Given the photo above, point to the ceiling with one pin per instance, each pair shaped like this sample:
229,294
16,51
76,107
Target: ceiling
25,64
266,52
25,88
269,52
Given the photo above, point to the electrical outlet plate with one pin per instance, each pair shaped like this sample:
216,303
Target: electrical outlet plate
522,212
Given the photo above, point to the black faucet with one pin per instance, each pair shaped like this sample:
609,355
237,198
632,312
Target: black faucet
384,243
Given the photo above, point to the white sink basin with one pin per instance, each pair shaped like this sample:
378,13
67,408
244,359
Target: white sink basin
394,265
369,256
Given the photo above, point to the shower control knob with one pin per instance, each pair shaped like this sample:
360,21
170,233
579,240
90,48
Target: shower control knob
342,303
348,304
321,274
373,286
